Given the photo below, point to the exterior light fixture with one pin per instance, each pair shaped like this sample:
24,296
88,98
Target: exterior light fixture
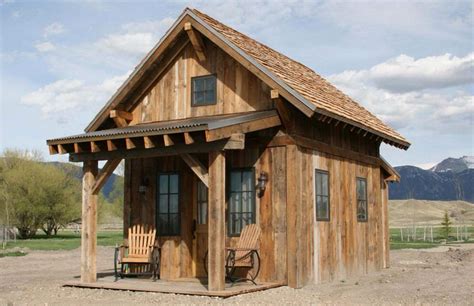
143,186
262,182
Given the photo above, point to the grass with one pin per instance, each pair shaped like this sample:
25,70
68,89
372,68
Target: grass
65,240
12,254
396,243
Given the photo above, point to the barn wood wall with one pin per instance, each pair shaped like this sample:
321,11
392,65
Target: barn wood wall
177,251
345,247
238,90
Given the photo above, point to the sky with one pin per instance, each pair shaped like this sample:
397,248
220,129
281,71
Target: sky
409,62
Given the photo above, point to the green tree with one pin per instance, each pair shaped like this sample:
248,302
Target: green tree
446,225
37,195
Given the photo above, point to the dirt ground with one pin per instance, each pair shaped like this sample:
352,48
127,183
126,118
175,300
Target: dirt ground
444,275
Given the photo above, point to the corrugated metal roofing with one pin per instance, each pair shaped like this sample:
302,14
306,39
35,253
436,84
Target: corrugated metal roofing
166,127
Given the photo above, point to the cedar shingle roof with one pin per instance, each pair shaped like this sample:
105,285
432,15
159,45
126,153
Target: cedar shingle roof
305,81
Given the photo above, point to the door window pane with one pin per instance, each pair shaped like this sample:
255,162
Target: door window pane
241,210
167,206
362,213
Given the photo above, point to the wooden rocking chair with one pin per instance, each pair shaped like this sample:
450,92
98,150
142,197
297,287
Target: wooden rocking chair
141,250
243,256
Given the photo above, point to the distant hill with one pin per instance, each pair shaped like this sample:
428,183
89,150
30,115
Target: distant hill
450,180
406,212
76,172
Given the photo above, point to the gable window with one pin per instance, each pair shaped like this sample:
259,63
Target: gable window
241,209
167,206
203,90
322,195
202,202
361,186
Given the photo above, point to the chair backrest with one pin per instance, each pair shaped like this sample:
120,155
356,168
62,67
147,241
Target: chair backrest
140,239
249,237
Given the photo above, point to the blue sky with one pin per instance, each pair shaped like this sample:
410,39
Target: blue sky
409,62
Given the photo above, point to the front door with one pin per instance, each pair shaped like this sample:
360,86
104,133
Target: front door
200,229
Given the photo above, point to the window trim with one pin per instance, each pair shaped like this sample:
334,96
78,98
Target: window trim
316,171
364,179
229,192
193,103
157,203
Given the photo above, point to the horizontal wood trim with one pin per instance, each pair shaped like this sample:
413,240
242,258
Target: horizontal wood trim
246,127
224,144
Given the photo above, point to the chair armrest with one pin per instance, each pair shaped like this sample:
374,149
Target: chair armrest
241,249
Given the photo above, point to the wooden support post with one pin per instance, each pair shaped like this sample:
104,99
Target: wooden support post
216,223
89,223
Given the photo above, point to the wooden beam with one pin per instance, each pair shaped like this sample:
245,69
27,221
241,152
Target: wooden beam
197,167
188,139
115,113
89,224
196,41
78,148
285,114
62,149
53,149
224,144
111,145
216,222
274,94
148,142
167,140
130,143
95,147
246,127
104,174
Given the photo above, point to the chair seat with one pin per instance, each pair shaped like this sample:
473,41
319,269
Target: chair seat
136,260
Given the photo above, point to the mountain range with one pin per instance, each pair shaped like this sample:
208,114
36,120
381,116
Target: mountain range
452,179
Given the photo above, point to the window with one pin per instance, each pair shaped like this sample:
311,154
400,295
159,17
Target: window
202,202
322,195
241,200
203,90
167,208
361,199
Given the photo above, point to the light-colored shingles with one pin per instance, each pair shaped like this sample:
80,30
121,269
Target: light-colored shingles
305,81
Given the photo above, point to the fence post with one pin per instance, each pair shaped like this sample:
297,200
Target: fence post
401,233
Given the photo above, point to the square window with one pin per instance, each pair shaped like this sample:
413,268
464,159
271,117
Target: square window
203,90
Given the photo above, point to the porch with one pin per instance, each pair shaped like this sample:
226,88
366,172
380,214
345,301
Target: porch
187,286
165,162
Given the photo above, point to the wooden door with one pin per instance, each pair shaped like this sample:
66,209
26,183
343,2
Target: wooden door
200,228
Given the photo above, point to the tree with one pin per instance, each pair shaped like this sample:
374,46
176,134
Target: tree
37,195
446,229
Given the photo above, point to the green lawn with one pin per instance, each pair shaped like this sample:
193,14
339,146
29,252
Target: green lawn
65,240
396,243
12,254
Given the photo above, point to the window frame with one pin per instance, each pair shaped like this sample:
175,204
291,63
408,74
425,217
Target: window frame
168,233
320,171
193,79
200,202
362,179
253,199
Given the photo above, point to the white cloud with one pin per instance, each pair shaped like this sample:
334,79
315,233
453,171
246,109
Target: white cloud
53,29
447,110
62,96
404,73
128,43
45,46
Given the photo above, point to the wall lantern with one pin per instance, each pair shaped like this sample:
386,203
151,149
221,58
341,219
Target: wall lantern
262,182
143,186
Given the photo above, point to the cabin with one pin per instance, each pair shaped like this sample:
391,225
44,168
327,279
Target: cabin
219,131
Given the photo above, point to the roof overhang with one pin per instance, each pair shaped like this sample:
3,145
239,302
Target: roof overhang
391,174
201,134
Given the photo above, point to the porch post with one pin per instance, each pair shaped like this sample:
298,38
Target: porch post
89,223
216,221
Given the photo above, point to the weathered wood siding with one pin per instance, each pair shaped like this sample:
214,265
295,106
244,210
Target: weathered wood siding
176,259
345,247
238,90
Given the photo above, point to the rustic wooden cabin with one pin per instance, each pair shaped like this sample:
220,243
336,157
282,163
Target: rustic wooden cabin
219,131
